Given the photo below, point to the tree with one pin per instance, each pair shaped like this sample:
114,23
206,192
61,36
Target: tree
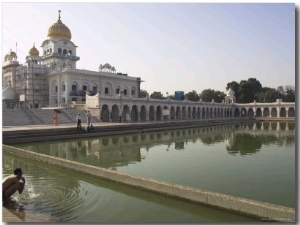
192,96
245,92
143,93
208,95
157,95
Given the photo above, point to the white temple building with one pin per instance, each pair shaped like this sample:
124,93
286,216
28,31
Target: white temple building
51,79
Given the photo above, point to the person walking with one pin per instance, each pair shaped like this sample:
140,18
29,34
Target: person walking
88,118
78,119
55,118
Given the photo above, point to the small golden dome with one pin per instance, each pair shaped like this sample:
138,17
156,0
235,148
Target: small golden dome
59,30
33,51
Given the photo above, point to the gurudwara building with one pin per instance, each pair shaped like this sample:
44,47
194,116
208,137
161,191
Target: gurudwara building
50,79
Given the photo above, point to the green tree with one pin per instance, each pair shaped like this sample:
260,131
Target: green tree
208,95
157,95
143,93
192,96
245,92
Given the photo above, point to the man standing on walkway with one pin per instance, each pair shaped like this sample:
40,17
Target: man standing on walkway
88,118
11,184
55,118
78,119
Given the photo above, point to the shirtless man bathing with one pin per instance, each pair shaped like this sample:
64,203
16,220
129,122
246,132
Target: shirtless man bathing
11,184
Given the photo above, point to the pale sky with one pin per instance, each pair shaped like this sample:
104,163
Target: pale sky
171,46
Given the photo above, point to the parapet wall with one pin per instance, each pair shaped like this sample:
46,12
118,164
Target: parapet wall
261,210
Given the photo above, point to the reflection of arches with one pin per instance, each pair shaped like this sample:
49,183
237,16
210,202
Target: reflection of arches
282,125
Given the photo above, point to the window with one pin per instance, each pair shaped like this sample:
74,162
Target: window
106,90
125,92
56,89
65,52
74,99
118,90
84,87
74,88
59,51
63,87
132,91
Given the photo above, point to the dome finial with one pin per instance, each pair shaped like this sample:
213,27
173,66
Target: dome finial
59,14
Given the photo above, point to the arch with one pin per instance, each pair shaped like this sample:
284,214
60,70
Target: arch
115,112
172,113
258,112
134,113
178,113
158,113
198,113
59,51
210,112
183,113
207,113
266,112
243,112
70,52
189,114
282,112
143,113
251,112
151,113
65,52
236,112
194,113
273,112
291,112
104,115
125,111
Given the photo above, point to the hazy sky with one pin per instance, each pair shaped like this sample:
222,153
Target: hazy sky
171,46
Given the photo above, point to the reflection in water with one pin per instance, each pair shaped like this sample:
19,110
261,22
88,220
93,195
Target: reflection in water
119,151
257,159
88,200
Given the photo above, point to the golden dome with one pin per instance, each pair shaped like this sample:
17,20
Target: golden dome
33,51
59,30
